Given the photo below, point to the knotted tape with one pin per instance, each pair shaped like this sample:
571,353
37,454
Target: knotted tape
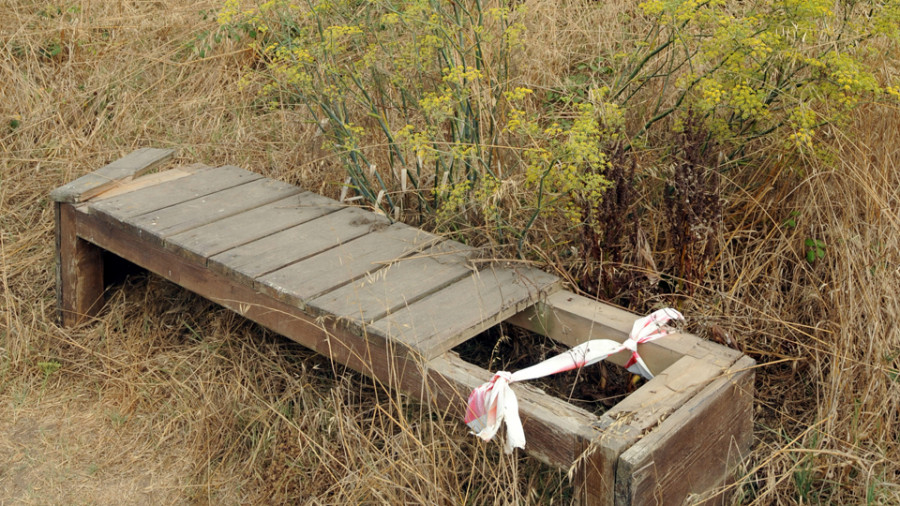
494,402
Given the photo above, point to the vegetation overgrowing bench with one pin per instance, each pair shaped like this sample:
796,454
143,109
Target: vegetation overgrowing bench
391,301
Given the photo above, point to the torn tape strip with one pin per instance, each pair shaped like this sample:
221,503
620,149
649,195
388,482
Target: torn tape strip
495,402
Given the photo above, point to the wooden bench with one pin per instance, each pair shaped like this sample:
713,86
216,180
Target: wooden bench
391,301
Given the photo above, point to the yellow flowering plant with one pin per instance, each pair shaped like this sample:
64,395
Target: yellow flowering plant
426,76
760,68
425,88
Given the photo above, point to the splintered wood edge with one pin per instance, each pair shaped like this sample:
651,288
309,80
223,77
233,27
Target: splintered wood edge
572,319
124,169
151,180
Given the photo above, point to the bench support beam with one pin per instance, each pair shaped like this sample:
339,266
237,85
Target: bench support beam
79,270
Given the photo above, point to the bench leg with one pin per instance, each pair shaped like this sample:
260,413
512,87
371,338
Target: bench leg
79,271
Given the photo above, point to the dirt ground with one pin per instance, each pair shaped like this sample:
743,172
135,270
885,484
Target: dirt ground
50,454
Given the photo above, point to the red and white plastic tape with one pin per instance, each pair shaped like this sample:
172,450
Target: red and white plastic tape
495,402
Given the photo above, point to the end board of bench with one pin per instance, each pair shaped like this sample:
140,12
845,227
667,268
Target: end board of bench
572,319
693,452
122,170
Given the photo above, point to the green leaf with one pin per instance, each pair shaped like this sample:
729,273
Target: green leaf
811,256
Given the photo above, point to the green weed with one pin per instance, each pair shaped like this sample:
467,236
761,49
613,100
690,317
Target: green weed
47,369
815,250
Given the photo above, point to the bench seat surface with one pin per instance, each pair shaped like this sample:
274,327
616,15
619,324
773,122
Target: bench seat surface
386,280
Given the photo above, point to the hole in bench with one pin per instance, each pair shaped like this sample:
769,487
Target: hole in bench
506,347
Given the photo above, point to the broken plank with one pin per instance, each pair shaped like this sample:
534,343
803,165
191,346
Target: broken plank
442,320
314,276
213,238
399,284
163,195
665,393
150,180
210,208
275,251
620,427
124,169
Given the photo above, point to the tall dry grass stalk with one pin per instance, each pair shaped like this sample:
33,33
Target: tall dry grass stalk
164,397
167,398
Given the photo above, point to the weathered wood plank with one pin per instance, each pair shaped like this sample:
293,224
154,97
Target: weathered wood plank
211,239
665,393
572,319
445,381
595,469
397,285
694,450
442,320
122,170
79,270
150,180
210,208
626,422
167,194
310,278
283,248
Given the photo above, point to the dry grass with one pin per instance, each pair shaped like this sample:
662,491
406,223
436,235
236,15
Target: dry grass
166,398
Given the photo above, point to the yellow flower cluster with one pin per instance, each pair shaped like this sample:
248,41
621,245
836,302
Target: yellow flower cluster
336,36
518,94
456,197
758,49
418,142
230,10
802,121
574,163
712,93
437,106
461,74
748,103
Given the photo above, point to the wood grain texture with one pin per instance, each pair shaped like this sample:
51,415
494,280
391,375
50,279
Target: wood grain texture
444,382
122,170
79,270
595,469
150,180
572,319
694,450
620,427
458,312
211,239
396,285
160,196
210,208
283,248
317,275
